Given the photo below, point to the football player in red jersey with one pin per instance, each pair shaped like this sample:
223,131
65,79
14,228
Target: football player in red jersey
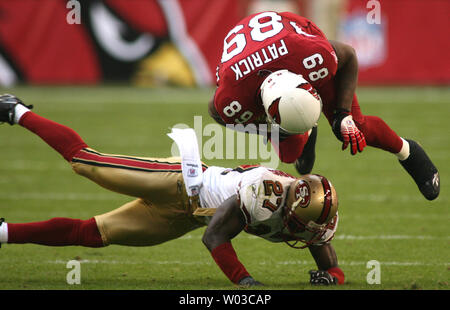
279,68
264,202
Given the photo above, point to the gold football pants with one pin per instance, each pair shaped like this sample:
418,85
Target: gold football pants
163,210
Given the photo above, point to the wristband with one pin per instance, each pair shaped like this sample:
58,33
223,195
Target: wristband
337,273
226,258
341,110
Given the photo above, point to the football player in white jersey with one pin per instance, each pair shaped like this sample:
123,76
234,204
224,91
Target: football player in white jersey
277,207
264,202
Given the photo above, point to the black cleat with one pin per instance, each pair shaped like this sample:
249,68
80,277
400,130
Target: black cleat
305,163
321,277
422,170
7,104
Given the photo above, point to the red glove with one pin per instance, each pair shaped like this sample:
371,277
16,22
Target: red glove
345,130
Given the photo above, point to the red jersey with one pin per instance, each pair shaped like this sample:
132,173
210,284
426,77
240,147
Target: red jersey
269,41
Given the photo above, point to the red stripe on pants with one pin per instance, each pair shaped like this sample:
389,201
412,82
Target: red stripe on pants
87,156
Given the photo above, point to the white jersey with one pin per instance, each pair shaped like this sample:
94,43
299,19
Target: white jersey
261,192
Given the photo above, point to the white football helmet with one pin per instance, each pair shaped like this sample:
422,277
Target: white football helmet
290,101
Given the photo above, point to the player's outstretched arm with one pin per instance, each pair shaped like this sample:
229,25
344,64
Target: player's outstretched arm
328,272
345,81
227,222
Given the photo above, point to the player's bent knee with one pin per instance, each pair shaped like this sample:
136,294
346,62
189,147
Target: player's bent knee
83,170
76,167
88,234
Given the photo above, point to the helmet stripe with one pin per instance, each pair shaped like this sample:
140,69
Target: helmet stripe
326,202
274,111
310,89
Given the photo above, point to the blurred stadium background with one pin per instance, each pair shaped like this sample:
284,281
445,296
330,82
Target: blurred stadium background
178,42
122,72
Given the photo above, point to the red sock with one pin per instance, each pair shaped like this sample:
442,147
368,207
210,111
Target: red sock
227,260
63,139
57,232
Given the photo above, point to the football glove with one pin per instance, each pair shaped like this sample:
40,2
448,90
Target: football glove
321,277
345,130
249,281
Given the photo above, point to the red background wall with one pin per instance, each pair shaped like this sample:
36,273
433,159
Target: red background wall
410,46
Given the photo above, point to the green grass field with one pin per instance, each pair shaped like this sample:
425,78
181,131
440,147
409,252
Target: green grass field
383,216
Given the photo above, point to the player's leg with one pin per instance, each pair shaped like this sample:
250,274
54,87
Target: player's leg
376,132
305,163
409,153
138,223
164,214
134,176
144,223
149,178
127,175
54,232
155,180
61,138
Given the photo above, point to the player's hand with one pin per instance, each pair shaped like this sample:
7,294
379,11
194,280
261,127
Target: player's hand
248,282
321,277
345,130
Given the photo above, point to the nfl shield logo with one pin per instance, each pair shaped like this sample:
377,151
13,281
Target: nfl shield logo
369,40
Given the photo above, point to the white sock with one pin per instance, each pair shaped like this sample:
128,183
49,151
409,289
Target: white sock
20,110
404,151
4,233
